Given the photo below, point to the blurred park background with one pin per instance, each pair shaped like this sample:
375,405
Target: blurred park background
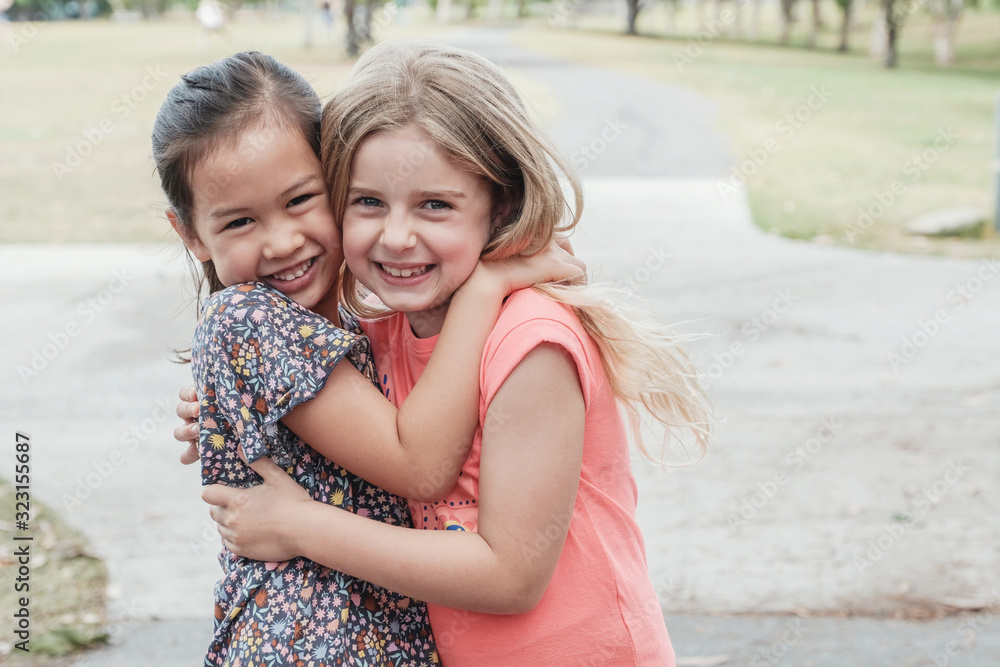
797,143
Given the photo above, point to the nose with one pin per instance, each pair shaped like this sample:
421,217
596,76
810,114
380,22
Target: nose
283,240
397,233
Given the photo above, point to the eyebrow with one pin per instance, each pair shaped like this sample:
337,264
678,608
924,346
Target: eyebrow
426,194
229,212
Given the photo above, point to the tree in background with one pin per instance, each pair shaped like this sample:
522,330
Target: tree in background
845,23
817,25
946,14
633,14
359,28
893,14
787,19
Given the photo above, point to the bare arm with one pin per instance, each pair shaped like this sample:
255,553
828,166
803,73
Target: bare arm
418,451
529,477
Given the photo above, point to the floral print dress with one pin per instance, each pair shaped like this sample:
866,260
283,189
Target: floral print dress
256,355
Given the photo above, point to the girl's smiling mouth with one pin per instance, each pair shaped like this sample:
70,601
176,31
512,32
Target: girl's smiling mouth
405,271
293,278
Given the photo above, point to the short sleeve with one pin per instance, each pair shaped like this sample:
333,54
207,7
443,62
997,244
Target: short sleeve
527,321
257,355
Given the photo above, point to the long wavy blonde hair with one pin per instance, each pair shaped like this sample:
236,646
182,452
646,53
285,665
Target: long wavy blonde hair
467,106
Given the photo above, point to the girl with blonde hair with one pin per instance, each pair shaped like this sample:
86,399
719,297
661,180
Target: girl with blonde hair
535,556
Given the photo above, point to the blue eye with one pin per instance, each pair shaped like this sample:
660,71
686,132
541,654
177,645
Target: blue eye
437,205
367,201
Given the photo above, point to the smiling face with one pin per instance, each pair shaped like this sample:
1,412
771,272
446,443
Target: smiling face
261,212
414,224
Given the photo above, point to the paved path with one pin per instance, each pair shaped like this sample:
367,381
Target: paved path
838,483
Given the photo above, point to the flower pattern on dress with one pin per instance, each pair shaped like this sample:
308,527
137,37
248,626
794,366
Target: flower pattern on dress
256,355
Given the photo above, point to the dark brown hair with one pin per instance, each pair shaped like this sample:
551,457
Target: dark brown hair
211,108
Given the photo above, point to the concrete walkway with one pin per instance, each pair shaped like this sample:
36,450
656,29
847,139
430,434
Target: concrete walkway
843,479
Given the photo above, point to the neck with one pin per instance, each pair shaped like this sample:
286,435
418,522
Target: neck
330,309
427,323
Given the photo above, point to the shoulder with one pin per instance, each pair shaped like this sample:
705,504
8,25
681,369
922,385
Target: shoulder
527,320
254,314
247,295
528,306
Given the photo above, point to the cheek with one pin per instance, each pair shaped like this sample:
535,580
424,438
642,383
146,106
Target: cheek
354,248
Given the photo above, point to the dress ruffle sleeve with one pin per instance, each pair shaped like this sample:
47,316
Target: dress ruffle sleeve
257,355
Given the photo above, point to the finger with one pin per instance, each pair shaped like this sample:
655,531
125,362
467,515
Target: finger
190,455
186,433
562,242
216,495
188,394
267,468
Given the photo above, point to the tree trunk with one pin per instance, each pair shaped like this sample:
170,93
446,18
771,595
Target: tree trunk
352,33
877,39
891,30
817,23
633,14
787,19
845,25
946,15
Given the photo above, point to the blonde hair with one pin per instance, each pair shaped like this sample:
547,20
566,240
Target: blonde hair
471,111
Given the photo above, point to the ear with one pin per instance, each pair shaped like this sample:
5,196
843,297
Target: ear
190,239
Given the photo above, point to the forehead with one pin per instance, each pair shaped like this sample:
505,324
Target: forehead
258,160
407,156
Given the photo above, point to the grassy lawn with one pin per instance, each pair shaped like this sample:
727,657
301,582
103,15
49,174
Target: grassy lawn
66,586
75,158
75,161
840,156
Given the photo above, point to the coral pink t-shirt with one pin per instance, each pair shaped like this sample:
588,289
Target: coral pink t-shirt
600,607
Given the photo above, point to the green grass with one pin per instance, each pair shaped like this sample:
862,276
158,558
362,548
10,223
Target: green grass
71,77
851,148
66,586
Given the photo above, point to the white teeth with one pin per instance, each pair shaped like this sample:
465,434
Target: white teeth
295,272
404,273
